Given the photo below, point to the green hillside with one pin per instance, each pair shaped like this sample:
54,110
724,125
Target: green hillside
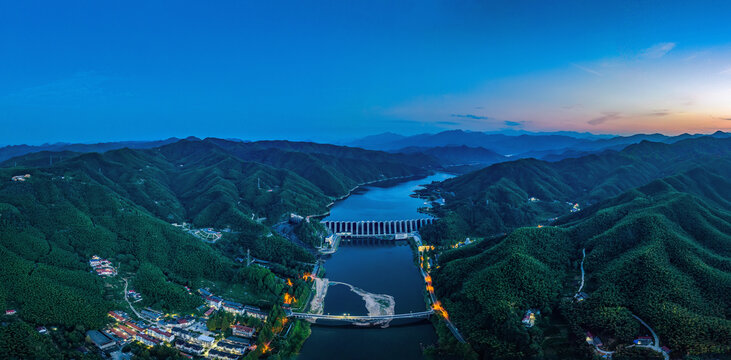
119,205
661,252
495,199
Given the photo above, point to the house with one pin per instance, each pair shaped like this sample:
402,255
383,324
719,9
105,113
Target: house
134,326
188,347
10,312
120,334
255,312
589,337
529,320
184,322
204,292
245,331
231,347
20,177
182,334
100,340
581,296
295,219
205,340
233,307
643,340
160,334
598,341
214,301
128,330
209,312
42,330
146,339
216,354
238,341
666,350
151,314
116,316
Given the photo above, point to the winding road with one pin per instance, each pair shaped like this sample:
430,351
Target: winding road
656,345
583,252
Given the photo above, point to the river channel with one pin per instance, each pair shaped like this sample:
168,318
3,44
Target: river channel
378,268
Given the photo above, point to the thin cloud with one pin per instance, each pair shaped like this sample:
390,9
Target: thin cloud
451,123
658,50
725,72
606,116
586,69
513,123
658,113
471,116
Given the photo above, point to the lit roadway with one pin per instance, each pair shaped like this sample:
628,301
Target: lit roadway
427,279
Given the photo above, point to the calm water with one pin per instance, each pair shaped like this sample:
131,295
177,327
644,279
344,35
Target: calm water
383,202
385,268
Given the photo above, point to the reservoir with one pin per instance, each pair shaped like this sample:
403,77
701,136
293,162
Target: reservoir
385,267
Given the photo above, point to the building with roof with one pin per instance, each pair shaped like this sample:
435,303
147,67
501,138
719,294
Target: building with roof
643,340
245,331
151,314
238,341
100,340
231,347
205,340
116,316
254,311
183,334
188,347
214,301
233,307
217,354
134,326
10,312
146,339
160,334
120,334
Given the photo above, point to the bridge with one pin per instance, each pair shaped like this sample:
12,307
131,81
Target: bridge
362,319
375,228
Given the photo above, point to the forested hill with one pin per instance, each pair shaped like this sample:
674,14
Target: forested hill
495,199
222,183
661,251
119,205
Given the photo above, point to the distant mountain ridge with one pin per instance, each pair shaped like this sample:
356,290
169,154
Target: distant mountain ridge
11,151
519,146
457,155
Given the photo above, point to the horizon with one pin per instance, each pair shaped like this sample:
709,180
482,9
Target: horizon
348,142
106,72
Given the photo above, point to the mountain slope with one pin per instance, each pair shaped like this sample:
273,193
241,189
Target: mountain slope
495,199
661,252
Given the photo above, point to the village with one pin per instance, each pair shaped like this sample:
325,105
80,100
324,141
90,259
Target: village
187,333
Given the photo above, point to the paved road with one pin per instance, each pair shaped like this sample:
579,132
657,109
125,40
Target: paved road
656,345
130,303
450,325
583,252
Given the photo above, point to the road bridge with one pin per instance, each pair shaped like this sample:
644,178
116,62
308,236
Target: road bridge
361,319
376,228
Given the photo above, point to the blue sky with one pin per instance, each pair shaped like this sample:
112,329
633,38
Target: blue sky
100,71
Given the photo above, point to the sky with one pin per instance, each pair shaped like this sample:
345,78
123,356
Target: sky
88,71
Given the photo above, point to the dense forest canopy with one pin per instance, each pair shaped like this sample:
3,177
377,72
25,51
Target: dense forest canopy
120,205
660,251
